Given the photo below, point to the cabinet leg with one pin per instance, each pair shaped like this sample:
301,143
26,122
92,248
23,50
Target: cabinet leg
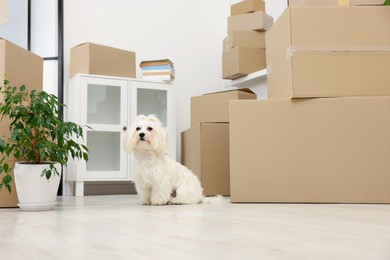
79,188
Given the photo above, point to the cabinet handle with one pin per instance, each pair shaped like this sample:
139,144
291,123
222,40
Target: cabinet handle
124,128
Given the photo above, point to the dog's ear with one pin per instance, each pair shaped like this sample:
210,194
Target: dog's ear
162,140
128,142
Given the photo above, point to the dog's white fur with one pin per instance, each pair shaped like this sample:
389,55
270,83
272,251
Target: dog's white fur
160,180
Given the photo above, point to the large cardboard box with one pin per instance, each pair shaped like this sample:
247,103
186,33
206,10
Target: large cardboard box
256,21
247,6
248,39
91,58
311,55
205,151
214,107
324,150
7,199
241,61
20,67
336,2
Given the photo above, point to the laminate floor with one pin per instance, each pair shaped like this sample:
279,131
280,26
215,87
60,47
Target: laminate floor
118,227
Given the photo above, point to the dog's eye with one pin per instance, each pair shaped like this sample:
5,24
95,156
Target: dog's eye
149,128
138,128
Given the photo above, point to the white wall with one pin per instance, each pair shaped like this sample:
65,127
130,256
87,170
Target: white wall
15,30
44,39
190,33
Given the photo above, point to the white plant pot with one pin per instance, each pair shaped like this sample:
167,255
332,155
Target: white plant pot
36,193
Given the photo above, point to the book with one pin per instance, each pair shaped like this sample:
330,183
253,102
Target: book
157,67
172,71
159,77
156,63
157,73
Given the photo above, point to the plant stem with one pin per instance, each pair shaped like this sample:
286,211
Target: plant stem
35,144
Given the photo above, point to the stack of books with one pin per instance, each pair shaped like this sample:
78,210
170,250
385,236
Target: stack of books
158,69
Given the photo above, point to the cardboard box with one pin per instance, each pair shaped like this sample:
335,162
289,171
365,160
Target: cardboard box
247,39
9,200
240,61
336,2
20,67
214,107
329,58
205,151
324,150
256,21
91,58
247,6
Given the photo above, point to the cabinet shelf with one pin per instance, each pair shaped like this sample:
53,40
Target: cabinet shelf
247,80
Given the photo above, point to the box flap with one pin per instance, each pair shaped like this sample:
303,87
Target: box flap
247,90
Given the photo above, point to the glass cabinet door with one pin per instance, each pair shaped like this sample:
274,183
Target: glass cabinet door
155,98
153,101
103,104
106,115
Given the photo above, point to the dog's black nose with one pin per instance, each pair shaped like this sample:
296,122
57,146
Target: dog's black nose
142,135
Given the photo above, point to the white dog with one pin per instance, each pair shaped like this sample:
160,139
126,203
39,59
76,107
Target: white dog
159,180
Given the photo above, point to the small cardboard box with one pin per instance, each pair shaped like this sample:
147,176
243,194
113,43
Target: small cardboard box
322,150
241,61
248,39
205,151
91,58
214,107
256,21
247,6
329,57
19,67
336,2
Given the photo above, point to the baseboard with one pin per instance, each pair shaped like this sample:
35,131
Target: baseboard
109,188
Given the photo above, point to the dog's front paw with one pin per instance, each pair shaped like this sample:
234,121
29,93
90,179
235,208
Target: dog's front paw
159,202
146,202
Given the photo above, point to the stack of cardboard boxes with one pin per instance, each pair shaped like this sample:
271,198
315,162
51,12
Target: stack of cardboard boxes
205,146
244,47
19,67
324,134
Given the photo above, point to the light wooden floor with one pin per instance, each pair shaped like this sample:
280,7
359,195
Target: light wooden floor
118,227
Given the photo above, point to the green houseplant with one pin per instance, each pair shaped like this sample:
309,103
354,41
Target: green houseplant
37,134
387,2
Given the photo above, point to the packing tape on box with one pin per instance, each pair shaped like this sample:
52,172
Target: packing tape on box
343,2
335,48
303,2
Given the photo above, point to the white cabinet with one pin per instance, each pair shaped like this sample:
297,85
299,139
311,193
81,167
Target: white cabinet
108,106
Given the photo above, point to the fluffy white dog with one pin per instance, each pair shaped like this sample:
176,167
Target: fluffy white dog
160,180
